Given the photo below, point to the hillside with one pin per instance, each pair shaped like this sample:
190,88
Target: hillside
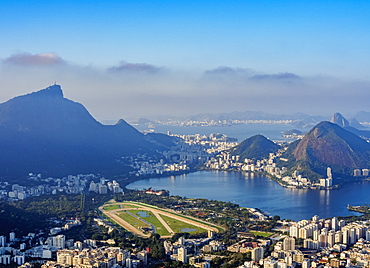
256,147
328,144
43,132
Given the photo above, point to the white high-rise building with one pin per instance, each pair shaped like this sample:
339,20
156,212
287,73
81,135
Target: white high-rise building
19,259
5,259
182,255
93,187
2,241
12,237
367,235
334,224
352,236
328,172
103,189
59,241
316,234
143,256
331,238
339,237
257,254
293,231
345,237
128,263
289,243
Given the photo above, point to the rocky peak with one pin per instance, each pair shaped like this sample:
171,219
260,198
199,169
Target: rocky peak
339,120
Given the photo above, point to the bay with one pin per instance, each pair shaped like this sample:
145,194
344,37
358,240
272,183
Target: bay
241,132
255,191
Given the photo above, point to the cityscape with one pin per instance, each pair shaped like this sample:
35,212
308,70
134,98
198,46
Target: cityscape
315,242
181,134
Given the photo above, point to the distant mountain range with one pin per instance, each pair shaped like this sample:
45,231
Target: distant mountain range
362,116
298,120
259,115
43,132
254,115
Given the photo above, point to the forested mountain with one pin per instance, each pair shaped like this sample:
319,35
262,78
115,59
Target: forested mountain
43,132
256,147
328,145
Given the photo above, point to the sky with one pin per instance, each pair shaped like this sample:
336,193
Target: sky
133,58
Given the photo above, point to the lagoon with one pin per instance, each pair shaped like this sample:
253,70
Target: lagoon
256,191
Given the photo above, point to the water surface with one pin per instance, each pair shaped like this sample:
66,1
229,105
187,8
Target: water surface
250,190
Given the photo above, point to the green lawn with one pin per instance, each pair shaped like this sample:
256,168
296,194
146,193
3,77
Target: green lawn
132,220
111,207
125,205
114,205
177,225
264,234
159,228
220,229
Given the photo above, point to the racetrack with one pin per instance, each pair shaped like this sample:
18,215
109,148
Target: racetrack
157,213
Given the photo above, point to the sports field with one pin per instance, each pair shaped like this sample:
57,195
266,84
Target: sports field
264,234
143,219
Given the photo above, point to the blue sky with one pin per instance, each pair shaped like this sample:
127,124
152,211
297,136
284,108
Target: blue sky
164,49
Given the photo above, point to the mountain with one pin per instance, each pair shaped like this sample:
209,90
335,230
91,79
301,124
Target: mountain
339,120
256,147
362,116
353,125
328,145
43,132
254,115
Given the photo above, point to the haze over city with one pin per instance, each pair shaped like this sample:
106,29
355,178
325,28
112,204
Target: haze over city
131,59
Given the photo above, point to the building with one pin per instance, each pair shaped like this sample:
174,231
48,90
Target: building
357,172
289,243
12,237
182,255
257,254
2,241
143,256
59,241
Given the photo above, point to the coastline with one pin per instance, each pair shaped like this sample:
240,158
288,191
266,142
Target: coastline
255,192
130,180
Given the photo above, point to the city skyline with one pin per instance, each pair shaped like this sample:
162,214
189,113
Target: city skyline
142,58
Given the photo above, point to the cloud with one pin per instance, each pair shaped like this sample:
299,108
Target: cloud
229,71
28,59
250,73
279,76
135,68
109,95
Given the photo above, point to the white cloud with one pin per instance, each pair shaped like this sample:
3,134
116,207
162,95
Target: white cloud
28,59
138,93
